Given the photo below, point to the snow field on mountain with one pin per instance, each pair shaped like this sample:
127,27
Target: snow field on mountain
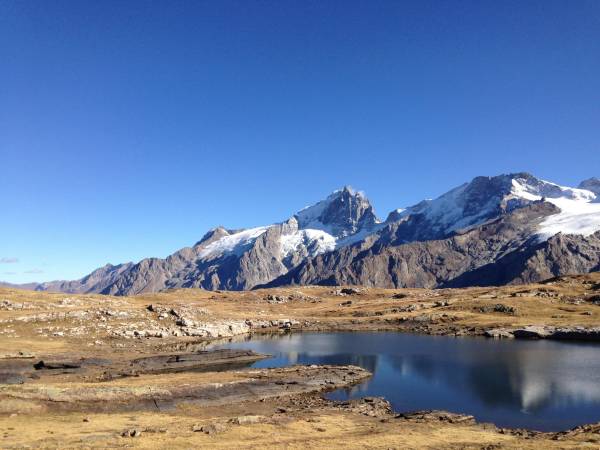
317,241
234,243
575,217
579,213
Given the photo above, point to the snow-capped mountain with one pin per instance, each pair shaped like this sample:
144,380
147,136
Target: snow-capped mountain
493,230
315,229
465,236
241,259
342,214
487,197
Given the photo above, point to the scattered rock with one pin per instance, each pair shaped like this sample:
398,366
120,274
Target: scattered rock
211,428
131,433
7,305
368,406
347,291
275,299
499,307
437,416
499,333
247,420
441,303
351,291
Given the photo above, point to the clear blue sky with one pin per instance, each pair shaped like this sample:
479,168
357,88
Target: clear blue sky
129,128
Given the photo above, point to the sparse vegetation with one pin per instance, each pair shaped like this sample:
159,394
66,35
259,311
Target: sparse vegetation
104,371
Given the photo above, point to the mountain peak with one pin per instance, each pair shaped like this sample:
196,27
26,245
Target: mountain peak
213,235
350,191
482,198
591,184
342,213
519,210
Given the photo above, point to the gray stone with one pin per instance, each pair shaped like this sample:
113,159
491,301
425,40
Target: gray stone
532,332
499,333
247,420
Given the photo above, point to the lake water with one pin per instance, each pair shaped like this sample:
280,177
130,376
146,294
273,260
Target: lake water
540,385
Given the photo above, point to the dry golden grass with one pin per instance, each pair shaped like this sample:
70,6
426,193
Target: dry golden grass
560,303
324,430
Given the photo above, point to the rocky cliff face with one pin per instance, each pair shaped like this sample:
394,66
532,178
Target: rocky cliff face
342,214
511,228
504,250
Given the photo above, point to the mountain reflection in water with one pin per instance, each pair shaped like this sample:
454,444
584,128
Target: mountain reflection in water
543,385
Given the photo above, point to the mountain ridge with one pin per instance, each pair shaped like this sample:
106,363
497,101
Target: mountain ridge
340,240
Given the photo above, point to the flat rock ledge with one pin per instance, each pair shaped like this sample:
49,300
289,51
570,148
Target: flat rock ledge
546,332
254,384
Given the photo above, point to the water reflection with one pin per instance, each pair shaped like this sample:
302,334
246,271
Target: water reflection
527,375
542,385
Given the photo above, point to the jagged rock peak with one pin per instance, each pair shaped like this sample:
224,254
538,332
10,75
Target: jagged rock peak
214,234
342,213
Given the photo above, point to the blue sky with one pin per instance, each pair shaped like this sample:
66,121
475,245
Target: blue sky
128,129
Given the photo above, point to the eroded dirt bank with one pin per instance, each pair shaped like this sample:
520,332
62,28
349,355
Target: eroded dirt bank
96,371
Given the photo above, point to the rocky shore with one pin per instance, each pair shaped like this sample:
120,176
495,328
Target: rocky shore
545,332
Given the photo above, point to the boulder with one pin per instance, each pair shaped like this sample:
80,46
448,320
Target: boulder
247,420
533,332
499,333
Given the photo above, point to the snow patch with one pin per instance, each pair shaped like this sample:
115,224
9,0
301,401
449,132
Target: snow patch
446,213
579,209
315,241
234,243
359,236
535,191
575,217
452,211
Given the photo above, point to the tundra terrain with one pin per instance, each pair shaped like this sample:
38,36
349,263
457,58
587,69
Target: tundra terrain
97,371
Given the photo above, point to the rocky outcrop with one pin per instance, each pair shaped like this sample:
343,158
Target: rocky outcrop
547,332
344,213
250,385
